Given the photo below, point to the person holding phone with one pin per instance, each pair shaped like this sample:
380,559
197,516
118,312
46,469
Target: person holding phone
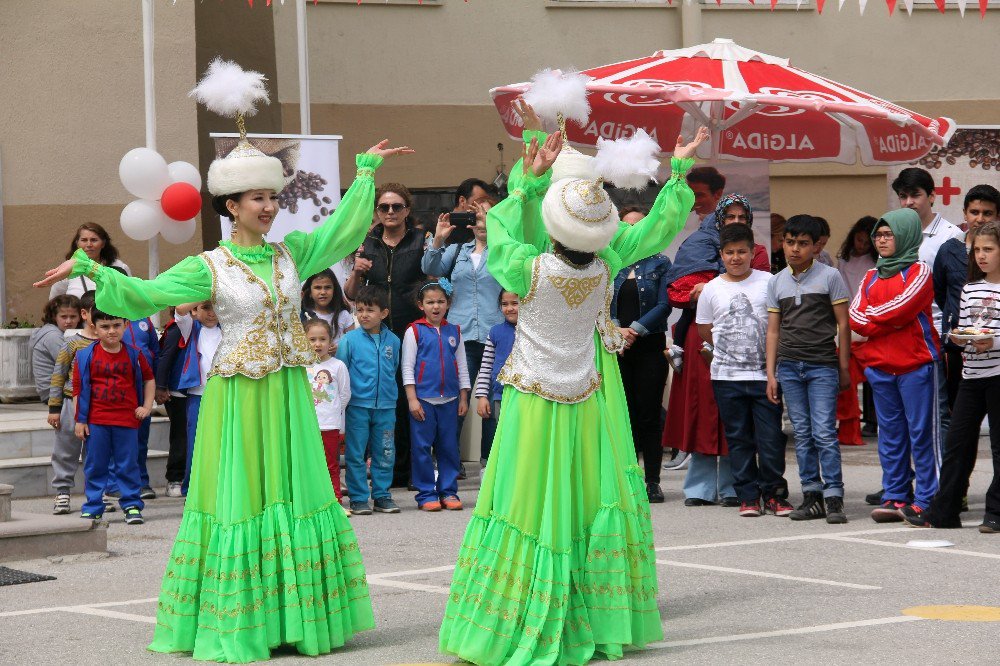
475,305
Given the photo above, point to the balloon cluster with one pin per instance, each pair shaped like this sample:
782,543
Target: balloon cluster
169,197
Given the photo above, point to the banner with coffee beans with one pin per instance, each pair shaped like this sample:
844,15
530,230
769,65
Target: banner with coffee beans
312,163
971,158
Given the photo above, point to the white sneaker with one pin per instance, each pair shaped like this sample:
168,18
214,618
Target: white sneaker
680,462
174,490
61,506
675,357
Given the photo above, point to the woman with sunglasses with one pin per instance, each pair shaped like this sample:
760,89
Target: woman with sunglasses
390,258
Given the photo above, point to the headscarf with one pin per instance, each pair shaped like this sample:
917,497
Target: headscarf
908,233
726,202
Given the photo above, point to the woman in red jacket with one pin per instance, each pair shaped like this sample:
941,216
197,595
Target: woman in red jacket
893,310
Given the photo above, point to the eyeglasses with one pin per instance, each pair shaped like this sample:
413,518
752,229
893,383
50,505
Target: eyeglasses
883,235
395,208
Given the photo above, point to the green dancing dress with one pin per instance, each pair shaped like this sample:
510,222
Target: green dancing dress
557,563
264,555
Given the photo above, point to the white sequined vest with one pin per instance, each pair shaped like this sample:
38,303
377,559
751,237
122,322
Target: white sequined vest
553,354
259,335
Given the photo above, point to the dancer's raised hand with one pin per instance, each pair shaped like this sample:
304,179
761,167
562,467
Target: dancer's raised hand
528,117
540,159
683,151
384,152
53,275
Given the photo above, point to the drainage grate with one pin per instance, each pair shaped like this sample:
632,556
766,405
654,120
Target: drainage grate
15,577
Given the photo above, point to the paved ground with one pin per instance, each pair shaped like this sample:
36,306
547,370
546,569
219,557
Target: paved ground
733,590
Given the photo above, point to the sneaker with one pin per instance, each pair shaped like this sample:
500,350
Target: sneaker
707,352
675,357
347,512
114,494
697,501
654,493
679,462
750,509
90,516
133,516
778,506
812,507
386,505
174,490
147,493
889,512
730,502
61,507
965,505
874,499
361,508
914,516
461,472
452,503
433,505
990,526
109,502
835,511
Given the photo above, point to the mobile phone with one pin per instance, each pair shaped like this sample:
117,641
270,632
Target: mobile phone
462,220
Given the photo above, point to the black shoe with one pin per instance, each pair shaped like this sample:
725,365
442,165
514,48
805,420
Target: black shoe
812,507
869,430
835,511
730,502
147,493
133,516
990,526
874,499
386,505
697,501
461,472
361,508
654,493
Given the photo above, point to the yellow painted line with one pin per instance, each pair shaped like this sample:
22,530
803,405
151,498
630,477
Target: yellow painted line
956,613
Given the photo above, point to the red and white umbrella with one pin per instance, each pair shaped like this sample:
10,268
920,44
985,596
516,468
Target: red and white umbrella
757,106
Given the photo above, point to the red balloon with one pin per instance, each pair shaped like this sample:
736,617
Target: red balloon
180,201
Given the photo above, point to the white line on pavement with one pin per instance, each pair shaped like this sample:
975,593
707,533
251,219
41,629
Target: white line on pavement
892,544
87,610
800,537
784,632
411,572
105,604
766,574
418,587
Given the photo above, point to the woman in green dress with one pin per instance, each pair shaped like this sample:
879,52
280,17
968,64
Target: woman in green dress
264,555
557,564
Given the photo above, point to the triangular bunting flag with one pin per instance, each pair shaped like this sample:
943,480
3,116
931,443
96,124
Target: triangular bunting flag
892,6
961,7
940,5
861,5
909,7
982,7
840,5
819,5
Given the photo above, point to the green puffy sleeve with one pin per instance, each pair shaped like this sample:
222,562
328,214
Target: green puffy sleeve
532,228
510,258
345,229
654,232
134,298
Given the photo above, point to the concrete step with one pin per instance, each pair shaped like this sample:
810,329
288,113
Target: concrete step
30,475
29,536
32,437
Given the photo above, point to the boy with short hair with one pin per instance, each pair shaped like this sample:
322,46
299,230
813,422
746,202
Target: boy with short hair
732,316
371,353
114,388
807,324
66,452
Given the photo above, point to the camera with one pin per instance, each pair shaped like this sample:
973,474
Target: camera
364,255
462,220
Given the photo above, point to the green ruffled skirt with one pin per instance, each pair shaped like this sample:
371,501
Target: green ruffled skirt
557,563
265,555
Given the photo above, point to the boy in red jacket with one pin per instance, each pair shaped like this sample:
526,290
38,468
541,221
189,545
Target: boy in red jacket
893,310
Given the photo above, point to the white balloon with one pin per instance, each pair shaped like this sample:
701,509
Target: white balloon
178,232
184,172
142,219
144,173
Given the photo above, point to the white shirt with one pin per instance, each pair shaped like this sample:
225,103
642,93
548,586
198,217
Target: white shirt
738,314
208,342
935,235
331,391
79,285
409,361
853,270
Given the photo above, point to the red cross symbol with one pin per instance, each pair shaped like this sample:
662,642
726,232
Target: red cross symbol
947,190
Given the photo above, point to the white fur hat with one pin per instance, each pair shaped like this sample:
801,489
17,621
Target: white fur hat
229,90
579,214
245,168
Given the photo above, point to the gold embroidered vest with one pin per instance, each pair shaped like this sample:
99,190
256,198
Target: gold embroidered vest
553,353
259,334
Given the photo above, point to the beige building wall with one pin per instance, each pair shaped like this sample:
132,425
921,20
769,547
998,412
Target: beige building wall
421,74
73,106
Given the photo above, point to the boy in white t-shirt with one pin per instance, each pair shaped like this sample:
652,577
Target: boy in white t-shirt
732,316
331,390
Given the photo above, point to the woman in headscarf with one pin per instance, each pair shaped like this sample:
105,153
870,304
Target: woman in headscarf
693,425
893,310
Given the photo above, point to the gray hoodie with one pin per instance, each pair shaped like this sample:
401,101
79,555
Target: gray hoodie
44,346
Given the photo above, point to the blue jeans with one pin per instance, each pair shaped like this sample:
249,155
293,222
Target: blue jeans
709,478
490,429
111,446
438,431
810,392
371,431
193,407
753,432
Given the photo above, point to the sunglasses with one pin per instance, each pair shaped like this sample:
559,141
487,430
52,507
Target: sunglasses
394,208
